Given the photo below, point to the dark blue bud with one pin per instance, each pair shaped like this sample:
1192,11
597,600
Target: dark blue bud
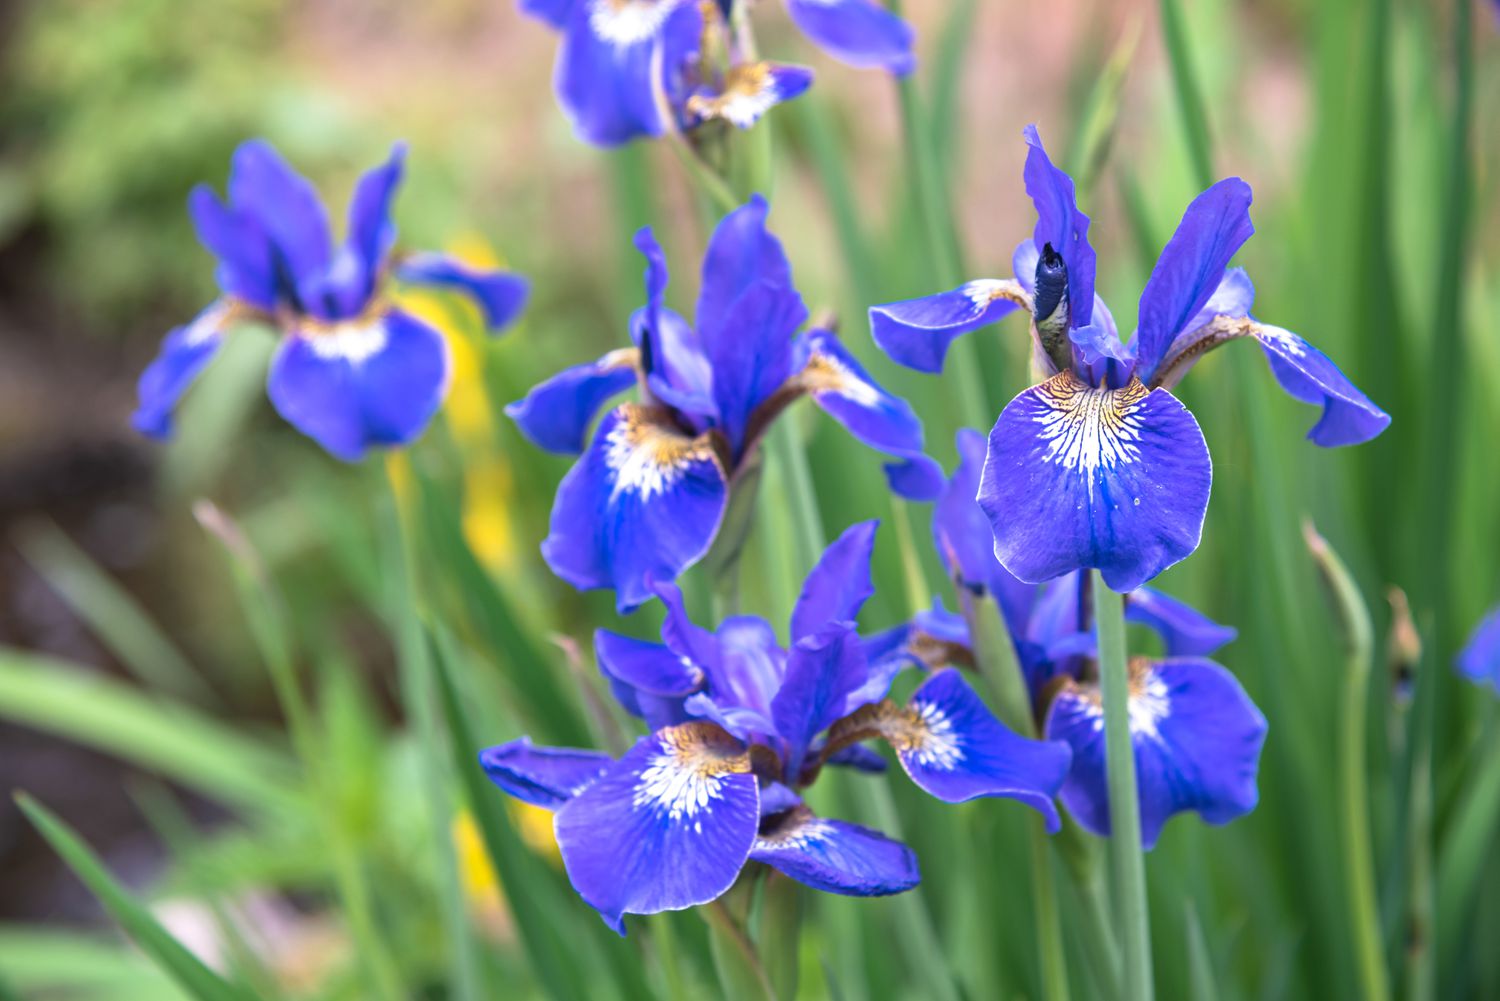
1051,284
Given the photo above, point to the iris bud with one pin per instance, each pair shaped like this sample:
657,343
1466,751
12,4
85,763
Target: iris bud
1050,306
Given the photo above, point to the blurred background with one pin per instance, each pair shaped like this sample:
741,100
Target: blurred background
133,697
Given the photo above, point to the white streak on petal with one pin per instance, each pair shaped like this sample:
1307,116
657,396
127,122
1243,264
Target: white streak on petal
1090,429
628,22
352,342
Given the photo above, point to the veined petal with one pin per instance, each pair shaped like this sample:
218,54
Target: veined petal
500,295
556,414
371,382
247,267
840,584
1479,661
543,776
955,749
961,534
834,856
858,32
286,208
185,352
668,827
916,333
749,91
1197,739
1079,476
822,671
1184,630
1191,268
642,504
1060,223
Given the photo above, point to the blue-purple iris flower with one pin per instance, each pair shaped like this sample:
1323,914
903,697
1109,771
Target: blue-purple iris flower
1099,465
646,499
634,68
1479,661
739,726
352,371
1197,735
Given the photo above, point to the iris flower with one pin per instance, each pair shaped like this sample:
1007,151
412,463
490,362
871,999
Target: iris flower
634,68
1197,736
352,371
1479,661
1099,465
647,497
739,726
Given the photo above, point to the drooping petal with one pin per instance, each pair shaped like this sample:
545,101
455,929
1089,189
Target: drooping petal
1185,631
643,503
286,208
859,32
916,478
667,827
1060,223
839,585
556,414
500,295
247,267
835,856
361,384
749,91
543,776
916,333
822,671
185,352
1079,476
955,749
1191,268
1479,661
647,678
1197,739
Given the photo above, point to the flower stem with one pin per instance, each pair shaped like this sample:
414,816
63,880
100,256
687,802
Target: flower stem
1049,939
1131,914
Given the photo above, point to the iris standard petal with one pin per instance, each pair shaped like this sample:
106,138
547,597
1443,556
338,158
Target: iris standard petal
286,207
668,827
1479,661
834,856
247,268
1185,631
858,32
749,91
751,357
184,353
955,749
839,585
822,671
1197,739
556,414
372,232
643,503
543,776
741,253
1191,268
672,356
916,333
500,295
1079,476
1060,223
371,382
961,534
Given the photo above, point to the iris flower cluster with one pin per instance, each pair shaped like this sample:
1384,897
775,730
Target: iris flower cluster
1099,465
739,727
638,68
353,371
645,500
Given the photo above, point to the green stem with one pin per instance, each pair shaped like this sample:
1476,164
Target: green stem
1131,916
1049,939
918,592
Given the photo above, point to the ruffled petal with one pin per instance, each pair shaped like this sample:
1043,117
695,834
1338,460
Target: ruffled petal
1479,661
916,333
286,208
955,749
247,266
185,352
1185,631
858,32
643,503
667,828
822,672
1197,739
1191,268
1061,224
556,414
543,776
836,857
749,91
500,295
366,383
1079,477
840,584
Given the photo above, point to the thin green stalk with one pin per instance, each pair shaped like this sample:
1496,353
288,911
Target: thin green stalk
1131,916
799,483
918,592
1049,939
1189,97
703,176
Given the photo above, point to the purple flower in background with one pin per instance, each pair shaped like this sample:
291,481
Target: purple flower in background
1197,735
739,726
633,68
1479,661
646,499
352,371
1099,465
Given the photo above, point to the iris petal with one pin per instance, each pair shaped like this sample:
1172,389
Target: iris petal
500,295
964,542
916,478
556,414
1079,476
858,32
1479,661
1184,630
749,91
840,584
1061,224
554,12
185,352
247,268
647,679
643,503
1197,739
360,384
371,230
916,333
286,207
836,857
668,827
543,776
822,672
